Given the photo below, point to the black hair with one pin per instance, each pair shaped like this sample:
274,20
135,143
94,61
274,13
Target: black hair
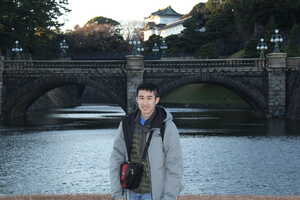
148,87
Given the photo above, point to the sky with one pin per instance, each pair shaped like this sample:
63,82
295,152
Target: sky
121,10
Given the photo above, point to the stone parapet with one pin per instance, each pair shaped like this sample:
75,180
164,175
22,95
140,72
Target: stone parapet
277,60
135,62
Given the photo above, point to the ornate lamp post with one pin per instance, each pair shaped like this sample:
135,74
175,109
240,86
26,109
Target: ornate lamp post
64,48
137,47
140,48
262,47
163,47
155,49
17,50
276,39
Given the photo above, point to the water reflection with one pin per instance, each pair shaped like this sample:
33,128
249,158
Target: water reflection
76,161
226,151
191,121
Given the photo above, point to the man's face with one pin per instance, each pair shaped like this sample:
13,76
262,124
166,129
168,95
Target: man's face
146,101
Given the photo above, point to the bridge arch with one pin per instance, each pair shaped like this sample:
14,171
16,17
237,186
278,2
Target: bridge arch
252,95
18,102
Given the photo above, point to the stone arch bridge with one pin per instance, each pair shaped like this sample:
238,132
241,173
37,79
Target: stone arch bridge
270,86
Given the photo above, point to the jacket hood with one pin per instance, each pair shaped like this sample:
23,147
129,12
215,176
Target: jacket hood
161,115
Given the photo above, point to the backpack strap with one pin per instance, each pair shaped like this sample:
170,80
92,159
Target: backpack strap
147,146
162,130
126,135
127,125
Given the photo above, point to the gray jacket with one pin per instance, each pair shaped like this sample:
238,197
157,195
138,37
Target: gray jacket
165,160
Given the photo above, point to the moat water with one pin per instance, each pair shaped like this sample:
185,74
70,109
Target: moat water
226,151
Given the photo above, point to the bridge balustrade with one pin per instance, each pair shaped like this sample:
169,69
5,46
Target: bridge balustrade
293,63
63,64
251,64
49,67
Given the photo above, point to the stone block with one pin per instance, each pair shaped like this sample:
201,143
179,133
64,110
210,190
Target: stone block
276,60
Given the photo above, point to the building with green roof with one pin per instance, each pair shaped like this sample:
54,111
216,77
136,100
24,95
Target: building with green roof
163,22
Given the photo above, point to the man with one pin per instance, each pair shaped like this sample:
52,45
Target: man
163,168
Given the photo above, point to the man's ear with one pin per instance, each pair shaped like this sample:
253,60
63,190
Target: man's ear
157,99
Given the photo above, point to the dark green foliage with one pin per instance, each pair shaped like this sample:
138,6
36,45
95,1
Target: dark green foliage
176,46
235,25
149,44
96,41
293,48
208,50
250,49
103,20
213,6
30,22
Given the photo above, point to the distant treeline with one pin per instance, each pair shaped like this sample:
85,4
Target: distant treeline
233,29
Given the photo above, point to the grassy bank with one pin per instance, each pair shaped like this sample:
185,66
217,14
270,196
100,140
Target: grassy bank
204,94
186,197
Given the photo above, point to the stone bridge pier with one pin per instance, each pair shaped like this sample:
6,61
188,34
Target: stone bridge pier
276,80
134,76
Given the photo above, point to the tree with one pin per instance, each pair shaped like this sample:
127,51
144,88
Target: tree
176,46
29,20
236,24
293,48
243,20
250,49
199,15
96,41
102,20
129,28
208,50
149,44
214,6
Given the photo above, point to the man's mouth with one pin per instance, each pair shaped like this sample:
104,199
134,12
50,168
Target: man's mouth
145,108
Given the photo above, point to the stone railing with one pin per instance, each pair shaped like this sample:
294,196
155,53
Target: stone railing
203,63
48,68
253,64
62,64
293,63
